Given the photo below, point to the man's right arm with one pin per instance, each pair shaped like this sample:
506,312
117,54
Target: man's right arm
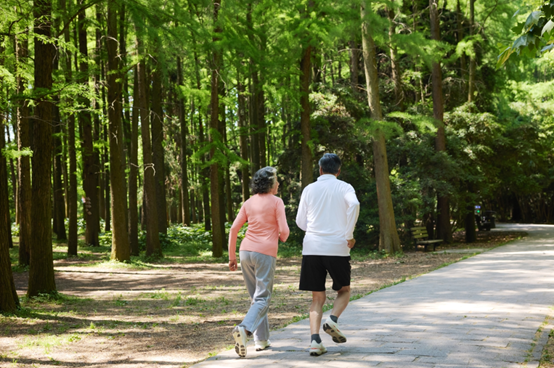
302,214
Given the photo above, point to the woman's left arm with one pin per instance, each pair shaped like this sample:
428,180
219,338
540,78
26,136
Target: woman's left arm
233,233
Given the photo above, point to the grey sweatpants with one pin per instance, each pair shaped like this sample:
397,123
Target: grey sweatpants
258,271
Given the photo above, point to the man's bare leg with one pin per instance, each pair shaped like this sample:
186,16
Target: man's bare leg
340,304
316,311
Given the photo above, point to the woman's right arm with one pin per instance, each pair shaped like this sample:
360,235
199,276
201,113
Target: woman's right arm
282,221
233,233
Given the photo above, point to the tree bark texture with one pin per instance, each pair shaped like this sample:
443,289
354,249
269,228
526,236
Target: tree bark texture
9,300
59,200
157,148
443,216
153,247
120,235
133,171
305,125
243,133
41,267
218,237
90,168
24,172
472,61
388,233
395,65
185,207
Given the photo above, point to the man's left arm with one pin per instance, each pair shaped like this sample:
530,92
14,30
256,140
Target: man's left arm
352,212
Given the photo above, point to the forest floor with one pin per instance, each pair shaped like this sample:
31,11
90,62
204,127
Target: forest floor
173,313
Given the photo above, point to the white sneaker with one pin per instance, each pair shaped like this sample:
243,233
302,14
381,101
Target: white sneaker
239,334
262,344
317,349
332,328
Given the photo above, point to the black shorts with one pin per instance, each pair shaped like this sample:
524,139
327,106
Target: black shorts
314,271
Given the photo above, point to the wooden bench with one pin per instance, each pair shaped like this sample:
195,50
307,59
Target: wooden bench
420,236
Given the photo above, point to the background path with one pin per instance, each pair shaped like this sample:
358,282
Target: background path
486,311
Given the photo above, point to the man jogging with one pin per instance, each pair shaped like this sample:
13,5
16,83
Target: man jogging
328,212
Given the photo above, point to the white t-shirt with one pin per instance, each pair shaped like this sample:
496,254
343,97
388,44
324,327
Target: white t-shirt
328,212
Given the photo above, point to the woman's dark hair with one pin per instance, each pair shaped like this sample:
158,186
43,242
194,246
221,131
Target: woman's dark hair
330,163
263,180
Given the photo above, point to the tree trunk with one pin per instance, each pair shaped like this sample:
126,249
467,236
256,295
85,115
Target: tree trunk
395,65
157,148
133,170
9,300
388,233
472,62
185,209
443,219
24,172
153,247
218,238
41,270
460,37
354,70
59,200
307,156
243,133
90,170
120,235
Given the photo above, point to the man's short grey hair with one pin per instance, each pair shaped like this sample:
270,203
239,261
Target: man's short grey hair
330,163
264,180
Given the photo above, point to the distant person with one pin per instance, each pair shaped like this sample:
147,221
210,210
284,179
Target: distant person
267,223
328,212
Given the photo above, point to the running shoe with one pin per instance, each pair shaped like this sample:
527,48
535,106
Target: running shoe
239,334
317,349
332,328
262,344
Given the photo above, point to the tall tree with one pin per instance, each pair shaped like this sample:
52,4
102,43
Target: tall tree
24,172
443,216
305,125
185,208
90,167
9,300
133,169
153,247
157,144
218,230
41,268
243,133
388,234
472,61
120,235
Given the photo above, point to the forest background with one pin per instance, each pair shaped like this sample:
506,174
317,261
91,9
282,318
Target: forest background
140,123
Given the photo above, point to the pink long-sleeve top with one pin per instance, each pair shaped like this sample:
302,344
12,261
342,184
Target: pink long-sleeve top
267,223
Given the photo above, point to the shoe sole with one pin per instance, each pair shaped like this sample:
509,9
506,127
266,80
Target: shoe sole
260,349
337,336
240,349
317,353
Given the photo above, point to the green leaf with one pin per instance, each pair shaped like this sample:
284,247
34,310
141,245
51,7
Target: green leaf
532,19
518,28
505,55
547,48
547,27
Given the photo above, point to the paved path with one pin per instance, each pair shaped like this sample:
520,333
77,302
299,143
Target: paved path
481,312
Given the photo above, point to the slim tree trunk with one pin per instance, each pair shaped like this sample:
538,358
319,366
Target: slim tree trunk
395,65
24,172
185,208
157,148
472,62
41,270
307,156
460,37
9,300
133,171
59,200
443,219
243,133
388,234
218,238
90,170
120,235
354,70
153,247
